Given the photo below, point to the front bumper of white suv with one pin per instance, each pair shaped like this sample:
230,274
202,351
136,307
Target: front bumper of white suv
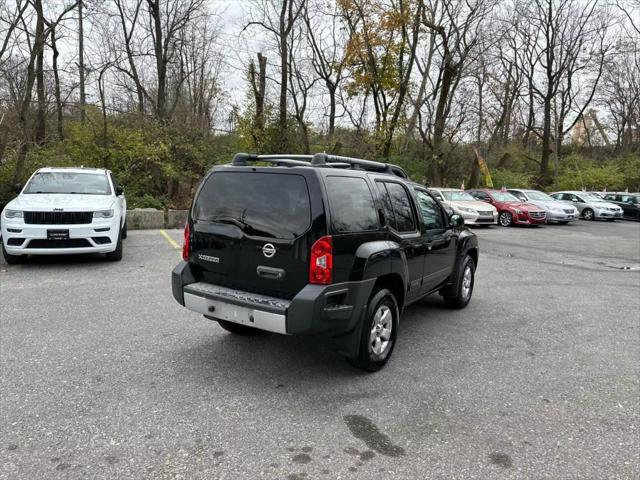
20,236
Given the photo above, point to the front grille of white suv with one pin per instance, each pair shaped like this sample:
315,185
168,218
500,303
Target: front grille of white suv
57,218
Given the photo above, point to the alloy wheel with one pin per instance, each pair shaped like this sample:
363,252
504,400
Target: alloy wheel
587,214
505,219
380,335
467,282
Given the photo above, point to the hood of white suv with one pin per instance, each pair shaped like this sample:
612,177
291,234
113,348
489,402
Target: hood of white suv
46,202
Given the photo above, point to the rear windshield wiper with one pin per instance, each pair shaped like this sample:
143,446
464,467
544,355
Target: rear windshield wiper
231,221
245,227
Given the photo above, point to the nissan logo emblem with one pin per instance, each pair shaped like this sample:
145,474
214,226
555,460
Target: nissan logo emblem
268,250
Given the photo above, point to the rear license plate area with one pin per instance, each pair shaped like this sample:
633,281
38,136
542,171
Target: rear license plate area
57,234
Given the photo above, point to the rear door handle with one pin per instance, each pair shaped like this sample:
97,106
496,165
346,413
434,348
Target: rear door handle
270,272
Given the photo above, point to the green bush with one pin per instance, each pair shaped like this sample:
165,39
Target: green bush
598,178
506,178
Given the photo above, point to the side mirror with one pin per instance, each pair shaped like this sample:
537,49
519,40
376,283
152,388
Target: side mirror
119,191
456,220
18,188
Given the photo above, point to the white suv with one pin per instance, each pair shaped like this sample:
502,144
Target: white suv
65,211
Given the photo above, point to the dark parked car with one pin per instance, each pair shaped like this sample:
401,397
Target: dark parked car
328,247
629,202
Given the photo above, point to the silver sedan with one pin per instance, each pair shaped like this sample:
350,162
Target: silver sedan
557,210
591,206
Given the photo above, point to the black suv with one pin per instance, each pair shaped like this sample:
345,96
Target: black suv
322,246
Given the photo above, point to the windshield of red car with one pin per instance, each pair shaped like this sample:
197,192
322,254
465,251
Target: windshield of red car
504,197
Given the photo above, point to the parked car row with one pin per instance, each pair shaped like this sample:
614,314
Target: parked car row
517,206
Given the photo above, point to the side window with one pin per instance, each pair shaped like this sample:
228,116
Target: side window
430,211
386,205
401,204
481,196
519,195
352,207
576,199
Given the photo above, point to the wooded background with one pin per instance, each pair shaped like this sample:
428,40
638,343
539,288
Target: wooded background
547,91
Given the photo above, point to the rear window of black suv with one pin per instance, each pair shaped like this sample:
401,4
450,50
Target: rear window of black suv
261,204
351,202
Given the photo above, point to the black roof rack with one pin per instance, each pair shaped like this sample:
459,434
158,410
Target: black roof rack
319,160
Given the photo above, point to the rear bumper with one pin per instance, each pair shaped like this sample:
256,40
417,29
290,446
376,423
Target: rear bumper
331,312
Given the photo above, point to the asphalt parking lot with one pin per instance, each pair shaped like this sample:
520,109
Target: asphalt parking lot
104,375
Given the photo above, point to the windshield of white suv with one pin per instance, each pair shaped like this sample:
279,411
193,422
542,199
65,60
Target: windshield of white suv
456,196
535,195
69,182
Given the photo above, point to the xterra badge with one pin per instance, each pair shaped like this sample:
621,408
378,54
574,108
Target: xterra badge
208,258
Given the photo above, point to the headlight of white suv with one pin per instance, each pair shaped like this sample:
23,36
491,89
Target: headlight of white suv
467,209
103,214
13,213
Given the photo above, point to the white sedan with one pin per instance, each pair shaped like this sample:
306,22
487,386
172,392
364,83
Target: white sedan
65,211
473,211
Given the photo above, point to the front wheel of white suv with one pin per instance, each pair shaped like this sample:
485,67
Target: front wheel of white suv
12,259
116,255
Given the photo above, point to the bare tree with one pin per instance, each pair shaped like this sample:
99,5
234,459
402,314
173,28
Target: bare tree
566,27
328,56
458,29
278,17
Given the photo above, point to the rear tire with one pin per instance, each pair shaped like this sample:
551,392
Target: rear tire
505,219
379,331
116,255
12,259
237,328
459,293
587,214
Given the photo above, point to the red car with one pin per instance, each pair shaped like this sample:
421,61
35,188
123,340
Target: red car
511,211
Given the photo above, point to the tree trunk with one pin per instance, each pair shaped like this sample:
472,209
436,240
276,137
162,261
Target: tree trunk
41,113
448,76
284,77
57,84
103,105
331,87
544,179
83,98
23,120
161,64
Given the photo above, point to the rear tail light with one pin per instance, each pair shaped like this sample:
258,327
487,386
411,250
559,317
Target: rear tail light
321,264
187,240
